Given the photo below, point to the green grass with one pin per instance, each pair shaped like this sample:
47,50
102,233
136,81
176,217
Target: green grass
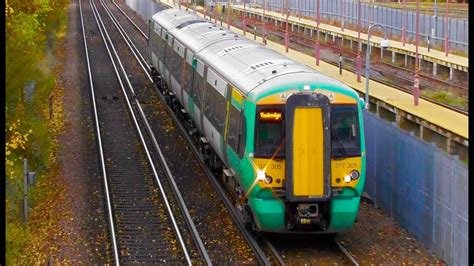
446,98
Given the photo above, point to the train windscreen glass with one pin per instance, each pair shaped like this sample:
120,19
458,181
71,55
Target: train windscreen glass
270,132
345,135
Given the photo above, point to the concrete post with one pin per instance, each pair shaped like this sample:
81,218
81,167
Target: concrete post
435,69
406,60
450,146
399,118
393,57
451,73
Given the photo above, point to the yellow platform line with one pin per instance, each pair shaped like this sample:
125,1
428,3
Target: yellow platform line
395,45
447,119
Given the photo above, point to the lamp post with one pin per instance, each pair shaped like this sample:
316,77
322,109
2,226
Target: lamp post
404,33
318,20
358,59
287,37
264,31
244,26
446,38
384,44
342,16
228,15
416,82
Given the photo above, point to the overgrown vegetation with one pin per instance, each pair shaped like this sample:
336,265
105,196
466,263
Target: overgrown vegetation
446,97
33,31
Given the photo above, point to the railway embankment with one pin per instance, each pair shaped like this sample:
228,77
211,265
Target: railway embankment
46,118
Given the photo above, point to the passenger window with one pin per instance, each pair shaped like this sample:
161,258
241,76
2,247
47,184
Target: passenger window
198,84
234,128
215,107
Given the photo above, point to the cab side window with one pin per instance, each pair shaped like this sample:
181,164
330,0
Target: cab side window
233,132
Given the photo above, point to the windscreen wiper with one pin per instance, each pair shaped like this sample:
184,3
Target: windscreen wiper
342,149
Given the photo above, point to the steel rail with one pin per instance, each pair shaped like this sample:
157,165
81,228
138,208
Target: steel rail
196,237
311,43
230,207
275,253
99,140
250,240
346,253
126,38
136,26
152,164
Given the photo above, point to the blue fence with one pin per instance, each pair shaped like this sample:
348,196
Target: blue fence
422,187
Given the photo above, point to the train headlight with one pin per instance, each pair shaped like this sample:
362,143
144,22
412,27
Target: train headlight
347,178
261,175
354,174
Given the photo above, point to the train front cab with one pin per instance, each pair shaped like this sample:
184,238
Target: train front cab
311,173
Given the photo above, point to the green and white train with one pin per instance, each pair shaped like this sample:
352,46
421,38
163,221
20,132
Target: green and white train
288,140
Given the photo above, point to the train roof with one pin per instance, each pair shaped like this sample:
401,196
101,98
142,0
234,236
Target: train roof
246,64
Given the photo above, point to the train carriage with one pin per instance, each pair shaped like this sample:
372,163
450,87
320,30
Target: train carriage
289,139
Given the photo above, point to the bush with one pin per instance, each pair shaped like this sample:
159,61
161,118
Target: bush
32,30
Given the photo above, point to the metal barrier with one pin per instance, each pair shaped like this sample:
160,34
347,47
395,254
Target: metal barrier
391,18
423,188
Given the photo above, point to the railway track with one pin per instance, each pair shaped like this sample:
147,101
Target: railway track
143,224
426,80
258,244
255,245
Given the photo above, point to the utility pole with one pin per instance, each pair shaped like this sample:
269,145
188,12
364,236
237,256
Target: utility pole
404,22
287,40
244,25
264,32
318,20
228,15
416,85
358,59
446,35
342,17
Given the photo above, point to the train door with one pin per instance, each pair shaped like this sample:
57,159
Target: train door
176,71
308,163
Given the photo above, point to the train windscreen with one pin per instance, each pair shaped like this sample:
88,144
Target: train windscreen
345,135
270,132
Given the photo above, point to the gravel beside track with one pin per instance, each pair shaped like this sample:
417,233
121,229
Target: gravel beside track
142,225
218,232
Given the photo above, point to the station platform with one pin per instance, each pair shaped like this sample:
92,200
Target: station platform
454,126
434,56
